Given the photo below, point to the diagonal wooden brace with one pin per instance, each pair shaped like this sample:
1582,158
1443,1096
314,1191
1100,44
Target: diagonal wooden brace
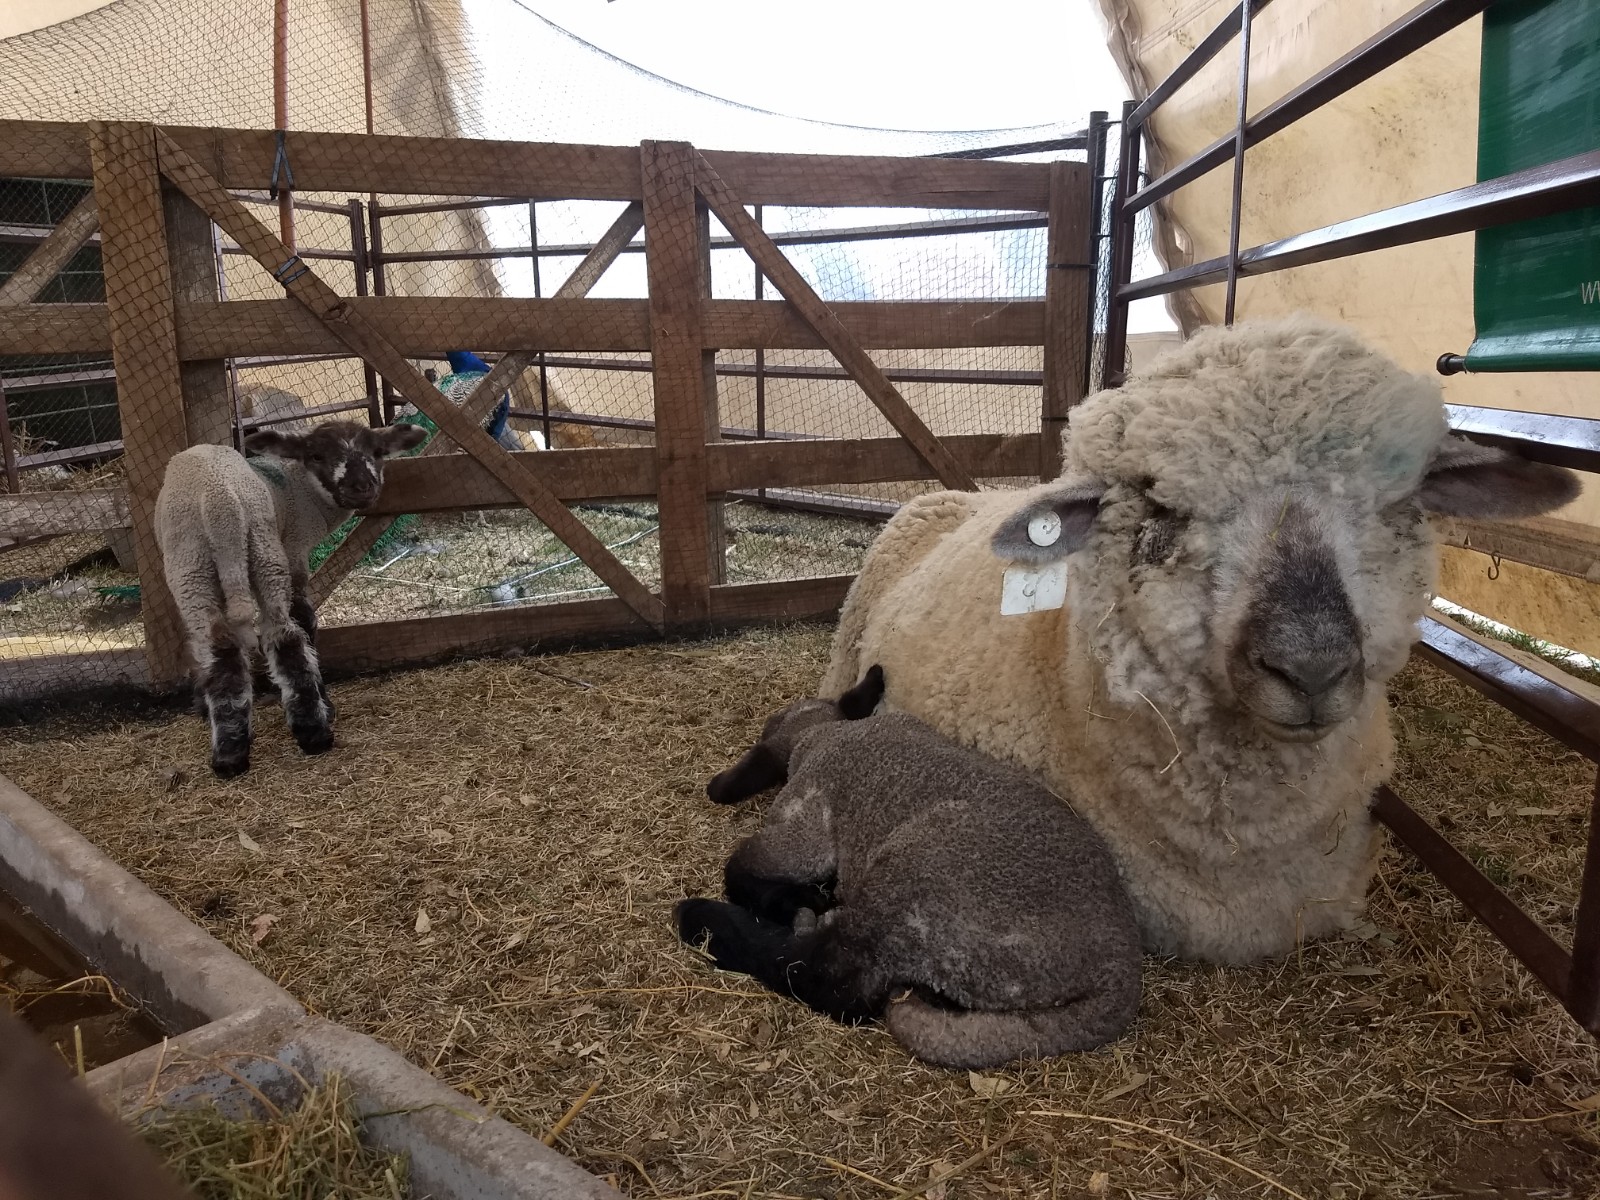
816,313
578,285
350,328
50,255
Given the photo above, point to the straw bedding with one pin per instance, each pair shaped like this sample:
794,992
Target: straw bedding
481,875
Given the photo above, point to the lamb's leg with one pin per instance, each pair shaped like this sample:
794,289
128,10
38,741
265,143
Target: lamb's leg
291,658
224,672
819,968
304,614
790,862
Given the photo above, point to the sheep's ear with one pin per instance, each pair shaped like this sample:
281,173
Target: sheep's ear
757,769
861,700
275,444
394,439
1053,522
1466,479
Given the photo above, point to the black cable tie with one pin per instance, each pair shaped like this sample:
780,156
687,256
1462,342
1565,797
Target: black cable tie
1067,266
281,274
280,166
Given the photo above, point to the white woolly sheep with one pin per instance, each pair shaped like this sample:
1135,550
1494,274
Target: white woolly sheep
1243,528
941,874
236,533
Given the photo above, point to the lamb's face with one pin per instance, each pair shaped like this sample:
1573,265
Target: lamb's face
1284,604
343,459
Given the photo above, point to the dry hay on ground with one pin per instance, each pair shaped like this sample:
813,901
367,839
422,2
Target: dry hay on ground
481,876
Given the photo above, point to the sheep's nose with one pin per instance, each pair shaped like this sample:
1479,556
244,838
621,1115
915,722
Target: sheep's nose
1313,674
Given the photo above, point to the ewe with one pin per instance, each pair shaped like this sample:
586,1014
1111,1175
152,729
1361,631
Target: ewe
237,533
1247,554
954,879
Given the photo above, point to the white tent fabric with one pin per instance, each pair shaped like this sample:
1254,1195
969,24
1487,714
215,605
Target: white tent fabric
1410,132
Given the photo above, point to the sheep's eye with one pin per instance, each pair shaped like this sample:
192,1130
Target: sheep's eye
1158,536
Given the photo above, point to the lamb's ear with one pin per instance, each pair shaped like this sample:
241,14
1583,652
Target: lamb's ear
861,700
394,439
757,769
278,445
1054,522
1466,479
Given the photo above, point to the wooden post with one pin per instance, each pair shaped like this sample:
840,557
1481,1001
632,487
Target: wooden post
716,516
677,256
144,348
1069,250
192,253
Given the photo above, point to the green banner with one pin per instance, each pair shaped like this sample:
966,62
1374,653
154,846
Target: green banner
1536,289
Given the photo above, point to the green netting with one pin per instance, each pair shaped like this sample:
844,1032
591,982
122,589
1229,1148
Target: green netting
1537,283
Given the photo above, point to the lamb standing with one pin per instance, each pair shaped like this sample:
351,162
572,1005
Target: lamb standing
236,534
954,878
1243,528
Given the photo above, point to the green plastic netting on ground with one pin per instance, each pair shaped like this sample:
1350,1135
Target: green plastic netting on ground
1536,289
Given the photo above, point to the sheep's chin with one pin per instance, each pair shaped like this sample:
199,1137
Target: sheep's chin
1309,732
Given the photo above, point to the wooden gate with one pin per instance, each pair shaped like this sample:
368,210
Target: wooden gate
158,190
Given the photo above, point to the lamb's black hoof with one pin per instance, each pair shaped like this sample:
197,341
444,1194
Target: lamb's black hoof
698,918
228,766
313,739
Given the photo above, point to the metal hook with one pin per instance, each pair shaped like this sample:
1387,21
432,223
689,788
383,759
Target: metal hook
1494,568
280,166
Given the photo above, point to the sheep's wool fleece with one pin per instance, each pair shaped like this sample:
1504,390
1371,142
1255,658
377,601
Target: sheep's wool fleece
1232,845
1294,401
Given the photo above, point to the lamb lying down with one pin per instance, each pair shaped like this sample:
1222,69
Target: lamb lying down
970,908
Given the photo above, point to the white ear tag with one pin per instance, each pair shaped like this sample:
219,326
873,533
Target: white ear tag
1045,529
1033,589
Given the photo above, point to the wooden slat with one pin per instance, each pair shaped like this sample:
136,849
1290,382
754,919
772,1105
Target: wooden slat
1069,249
506,372
47,259
389,644
343,162
684,385
605,251
306,287
46,514
1565,547
456,482
133,247
772,263
55,329
422,325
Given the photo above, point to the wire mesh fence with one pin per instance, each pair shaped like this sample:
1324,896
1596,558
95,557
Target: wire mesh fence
466,542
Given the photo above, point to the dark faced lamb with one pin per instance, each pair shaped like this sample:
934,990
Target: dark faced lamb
236,536
962,902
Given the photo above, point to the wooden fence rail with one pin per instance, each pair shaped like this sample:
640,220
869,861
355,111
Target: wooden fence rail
169,339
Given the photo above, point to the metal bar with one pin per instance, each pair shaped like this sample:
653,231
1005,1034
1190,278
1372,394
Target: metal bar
800,500
1536,192
401,210
544,369
317,410
1236,205
321,206
358,244
1383,49
31,235
647,425
1569,717
366,62
1520,934
280,108
41,383
1560,441
1096,154
1123,227
340,255
1210,46
380,287
761,354
1583,989
8,447
73,454
1072,141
